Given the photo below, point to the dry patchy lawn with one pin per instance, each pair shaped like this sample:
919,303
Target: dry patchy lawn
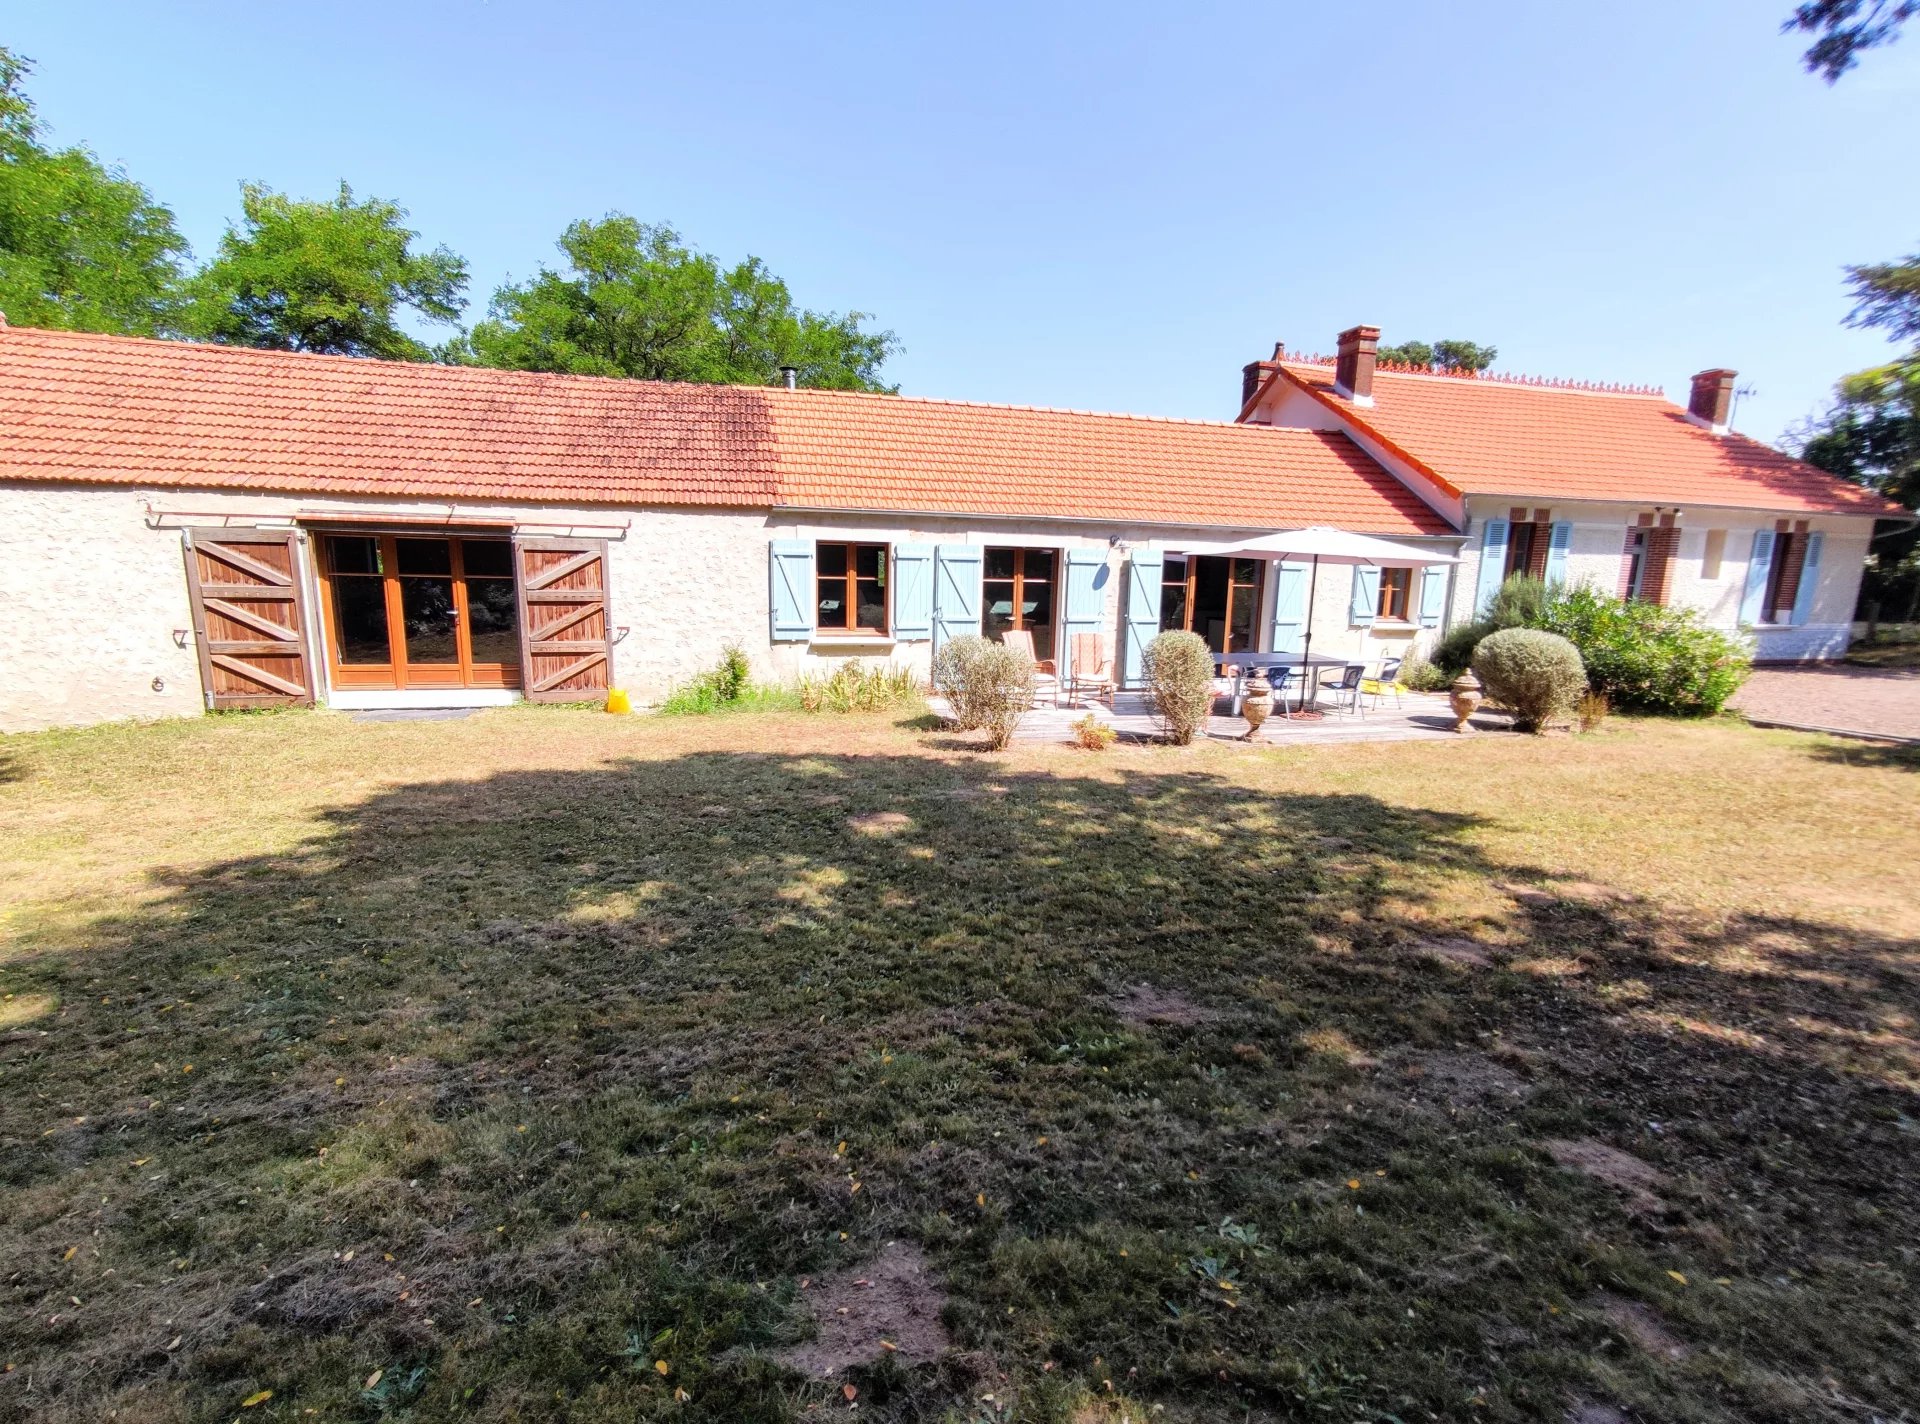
547,1065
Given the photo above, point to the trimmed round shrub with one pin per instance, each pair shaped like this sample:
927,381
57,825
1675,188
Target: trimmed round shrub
1178,668
951,666
1536,676
988,685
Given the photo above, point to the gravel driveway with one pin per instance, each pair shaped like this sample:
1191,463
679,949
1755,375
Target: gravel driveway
1885,701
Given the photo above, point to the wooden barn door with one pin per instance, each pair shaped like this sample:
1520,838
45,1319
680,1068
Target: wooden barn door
249,617
566,651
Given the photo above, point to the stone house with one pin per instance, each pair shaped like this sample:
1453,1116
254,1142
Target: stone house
187,527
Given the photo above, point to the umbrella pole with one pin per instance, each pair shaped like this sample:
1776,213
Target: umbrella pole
1306,643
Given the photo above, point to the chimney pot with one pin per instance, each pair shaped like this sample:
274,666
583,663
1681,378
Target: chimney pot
790,377
1711,403
1353,367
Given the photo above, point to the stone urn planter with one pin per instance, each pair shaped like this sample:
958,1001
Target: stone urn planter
1257,703
1465,698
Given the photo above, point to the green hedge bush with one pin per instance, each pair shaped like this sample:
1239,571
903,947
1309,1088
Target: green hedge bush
1638,655
1645,656
1536,676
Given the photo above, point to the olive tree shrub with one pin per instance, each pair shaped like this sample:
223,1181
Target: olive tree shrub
1536,676
988,685
1179,673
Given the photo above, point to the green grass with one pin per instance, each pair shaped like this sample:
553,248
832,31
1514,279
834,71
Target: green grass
506,1057
702,699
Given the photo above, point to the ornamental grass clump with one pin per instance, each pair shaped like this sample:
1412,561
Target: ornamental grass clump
1179,673
1536,676
988,686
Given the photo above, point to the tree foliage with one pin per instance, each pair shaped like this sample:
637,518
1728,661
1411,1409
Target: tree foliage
332,276
634,300
1846,29
1887,295
1441,355
82,246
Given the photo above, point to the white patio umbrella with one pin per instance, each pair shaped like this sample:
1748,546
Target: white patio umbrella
1336,546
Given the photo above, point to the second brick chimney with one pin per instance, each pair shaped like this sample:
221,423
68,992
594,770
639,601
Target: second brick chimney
1710,406
1353,366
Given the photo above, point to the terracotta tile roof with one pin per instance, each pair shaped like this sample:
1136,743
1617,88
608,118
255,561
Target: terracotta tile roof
126,410
131,411
850,451
1546,441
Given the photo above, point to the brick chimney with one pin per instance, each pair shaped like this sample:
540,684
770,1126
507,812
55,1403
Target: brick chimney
1353,367
1711,404
1254,372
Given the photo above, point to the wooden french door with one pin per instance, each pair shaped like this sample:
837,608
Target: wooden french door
1218,598
408,611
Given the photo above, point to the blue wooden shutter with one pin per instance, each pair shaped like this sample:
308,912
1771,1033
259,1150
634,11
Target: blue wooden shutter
1758,567
791,589
956,591
1809,581
1086,608
1493,564
1142,622
1558,542
1433,595
1366,595
1289,631
912,591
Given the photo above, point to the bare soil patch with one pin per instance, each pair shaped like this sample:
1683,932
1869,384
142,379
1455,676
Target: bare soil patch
1641,1324
1148,1005
880,823
1634,1179
889,1305
1458,1081
1468,953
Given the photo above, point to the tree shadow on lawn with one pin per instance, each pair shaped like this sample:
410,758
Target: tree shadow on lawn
509,1089
1896,756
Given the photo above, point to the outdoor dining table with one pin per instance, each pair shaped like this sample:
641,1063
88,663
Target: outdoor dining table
1240,666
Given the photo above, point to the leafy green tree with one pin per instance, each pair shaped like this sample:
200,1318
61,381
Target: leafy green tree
635,300
1846,29
1887,295
332,276
82,246
1442,355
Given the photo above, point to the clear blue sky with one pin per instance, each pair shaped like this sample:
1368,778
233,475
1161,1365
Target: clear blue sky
1110,206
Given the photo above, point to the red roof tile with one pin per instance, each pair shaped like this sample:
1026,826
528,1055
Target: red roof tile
125,410
1498,437
131,411
852,451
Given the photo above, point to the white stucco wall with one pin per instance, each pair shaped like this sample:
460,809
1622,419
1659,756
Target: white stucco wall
103,569
1599,537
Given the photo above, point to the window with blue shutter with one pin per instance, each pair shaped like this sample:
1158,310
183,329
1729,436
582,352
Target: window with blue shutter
912,591
956,591
1809,580
1558,543
1493,564
1433,595
1366,596
1759,577
1289,631
790,589
1086,606
1145,569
